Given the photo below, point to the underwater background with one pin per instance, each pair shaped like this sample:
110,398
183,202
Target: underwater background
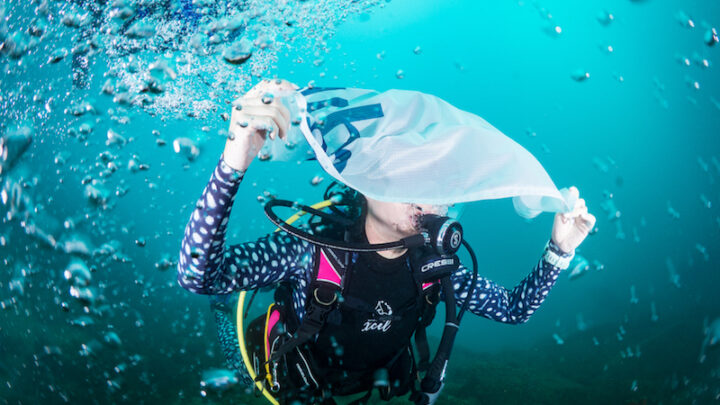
113,116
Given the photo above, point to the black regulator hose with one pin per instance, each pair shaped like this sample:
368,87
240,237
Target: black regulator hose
409,242
432,382
473,281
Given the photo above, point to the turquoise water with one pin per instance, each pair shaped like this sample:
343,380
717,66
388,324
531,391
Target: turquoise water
101,182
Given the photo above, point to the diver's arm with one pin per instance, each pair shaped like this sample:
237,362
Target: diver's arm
206,266
201,252
493,301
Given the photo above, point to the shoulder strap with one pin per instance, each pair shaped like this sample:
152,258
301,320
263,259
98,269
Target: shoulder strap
330,266
326,284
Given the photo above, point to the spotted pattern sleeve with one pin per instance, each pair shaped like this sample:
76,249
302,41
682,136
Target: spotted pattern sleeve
207,266
495,302
222,307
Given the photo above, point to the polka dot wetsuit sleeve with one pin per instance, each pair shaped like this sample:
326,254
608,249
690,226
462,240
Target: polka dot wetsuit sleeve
222,307
493,301
206,266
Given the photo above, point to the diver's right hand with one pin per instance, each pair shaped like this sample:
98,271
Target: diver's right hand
256,115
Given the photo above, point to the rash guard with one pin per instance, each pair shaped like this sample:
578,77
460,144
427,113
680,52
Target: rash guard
208,265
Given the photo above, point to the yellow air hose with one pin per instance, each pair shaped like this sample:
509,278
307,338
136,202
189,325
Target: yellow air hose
241,308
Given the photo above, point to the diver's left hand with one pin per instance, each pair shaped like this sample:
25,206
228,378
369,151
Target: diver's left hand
571,228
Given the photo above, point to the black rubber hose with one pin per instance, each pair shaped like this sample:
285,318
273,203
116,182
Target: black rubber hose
433,379
473,281
409,242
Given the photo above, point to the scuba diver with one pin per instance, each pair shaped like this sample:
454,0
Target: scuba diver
353,289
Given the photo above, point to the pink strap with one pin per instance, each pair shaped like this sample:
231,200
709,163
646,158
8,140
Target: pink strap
274,318
425,286
327,272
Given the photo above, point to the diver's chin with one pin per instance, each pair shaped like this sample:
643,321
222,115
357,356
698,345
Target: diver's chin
406,231
414,230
